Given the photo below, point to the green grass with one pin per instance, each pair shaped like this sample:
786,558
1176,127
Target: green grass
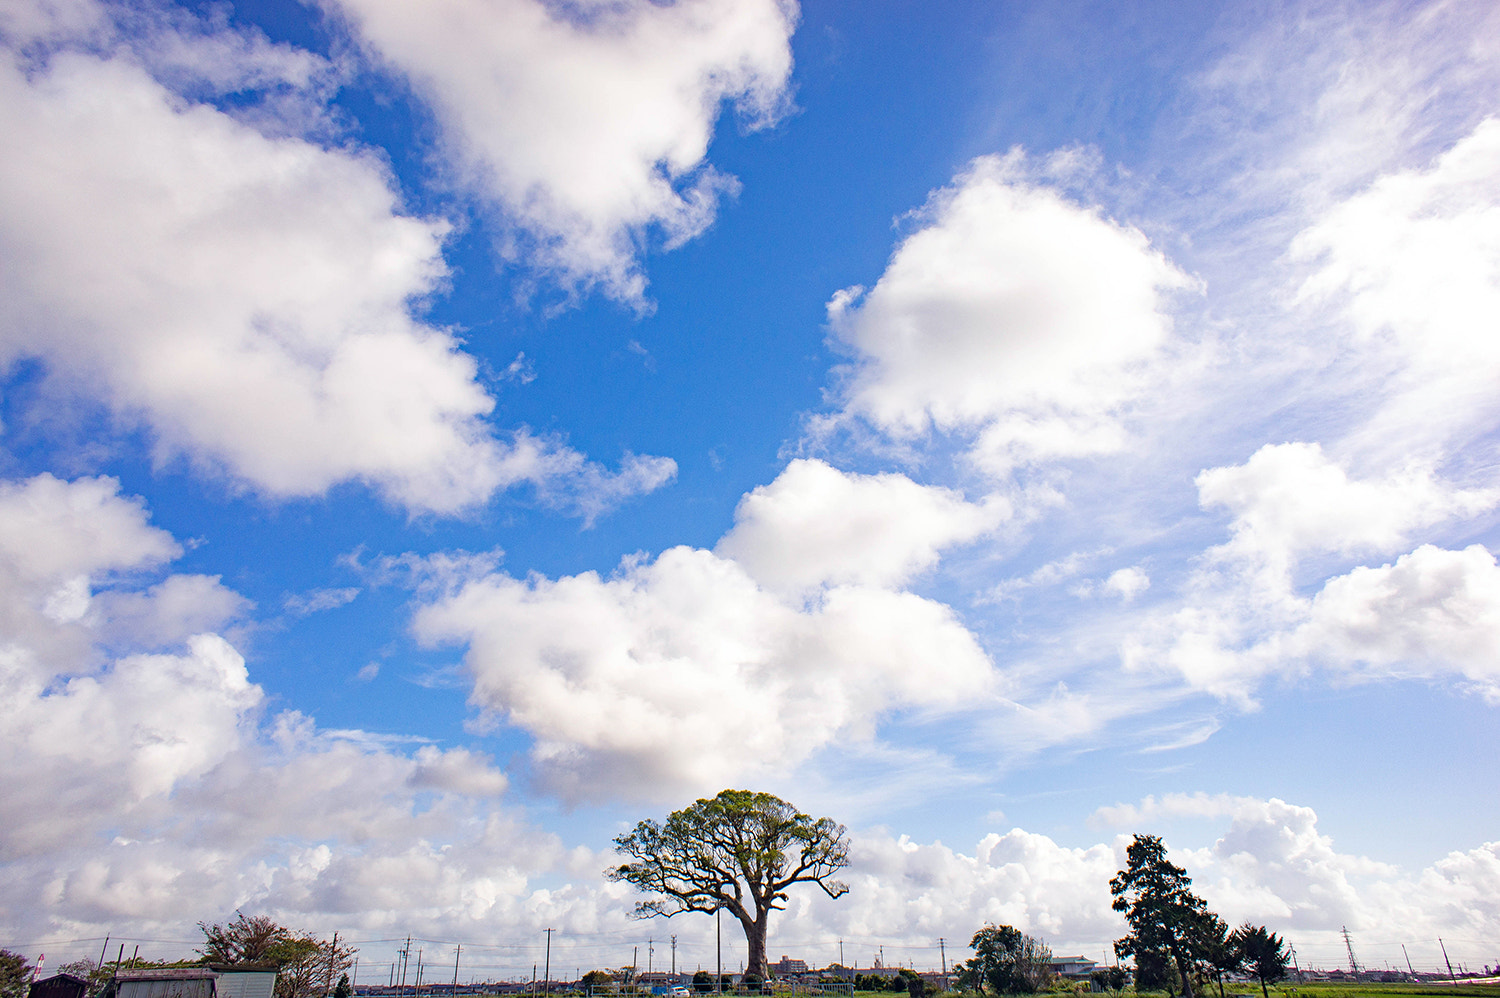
1349,989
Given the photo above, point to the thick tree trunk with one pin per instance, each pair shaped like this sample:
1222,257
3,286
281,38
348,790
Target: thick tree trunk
755,944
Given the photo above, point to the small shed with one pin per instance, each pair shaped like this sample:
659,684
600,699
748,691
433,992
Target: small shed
165,982
244,980
60,986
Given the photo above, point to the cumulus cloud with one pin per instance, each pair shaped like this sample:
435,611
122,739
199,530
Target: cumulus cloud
588,124
58,541
247,297
614,677
1127,583
1012,314
1292,499
1429,614
147,785
815,525
1264,861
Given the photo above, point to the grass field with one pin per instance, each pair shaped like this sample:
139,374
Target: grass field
1349,989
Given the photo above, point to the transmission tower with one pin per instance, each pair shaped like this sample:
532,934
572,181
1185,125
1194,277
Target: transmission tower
1353,963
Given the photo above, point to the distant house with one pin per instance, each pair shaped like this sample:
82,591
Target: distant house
59,986
1072,966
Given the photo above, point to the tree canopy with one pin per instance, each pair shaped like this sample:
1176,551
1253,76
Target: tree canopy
1263,954
305,965
1168,922
739,852
1006,962
15,974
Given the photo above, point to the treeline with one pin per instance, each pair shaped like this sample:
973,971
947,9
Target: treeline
306,966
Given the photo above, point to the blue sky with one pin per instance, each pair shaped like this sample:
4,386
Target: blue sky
437,436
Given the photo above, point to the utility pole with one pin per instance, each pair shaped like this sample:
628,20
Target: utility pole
1408,962
650,952
417,988
102,951
333,952
943,955
635,959
841,954
1353,963
718,953
674,957
547,967
456,955
1447,961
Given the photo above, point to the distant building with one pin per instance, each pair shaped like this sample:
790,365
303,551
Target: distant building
787,966
1072,966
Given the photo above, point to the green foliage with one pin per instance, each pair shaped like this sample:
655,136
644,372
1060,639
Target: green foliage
1168,922
305,965
738,852
1263,954
703,982
1108,978
343,989
599,978
1219,949
15,974
97,976
1006,961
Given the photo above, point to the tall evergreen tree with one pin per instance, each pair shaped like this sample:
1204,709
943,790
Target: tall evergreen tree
1265,954
1166,918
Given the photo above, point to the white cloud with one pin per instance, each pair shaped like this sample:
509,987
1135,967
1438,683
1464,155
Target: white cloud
58,540
1429,613
681,675
589,124
318,600
1127,583
147,787
167,613
815,525
1013,314
1291,499
1246,616
1413,262
248,298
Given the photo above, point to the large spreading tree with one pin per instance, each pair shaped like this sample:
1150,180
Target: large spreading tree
1168,922
305,965
737,852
